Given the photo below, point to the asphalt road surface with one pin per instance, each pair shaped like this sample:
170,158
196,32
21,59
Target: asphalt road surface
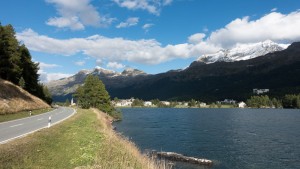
18,128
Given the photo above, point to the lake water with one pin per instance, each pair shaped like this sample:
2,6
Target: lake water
232,138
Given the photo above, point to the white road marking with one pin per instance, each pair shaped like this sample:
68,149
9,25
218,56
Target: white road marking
40,119
5,141
17,125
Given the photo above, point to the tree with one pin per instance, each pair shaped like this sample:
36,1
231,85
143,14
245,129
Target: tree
16,64
9,55
94,94
192,103
155,101
67,102
291,101
29,72
22,83
47,95
137,103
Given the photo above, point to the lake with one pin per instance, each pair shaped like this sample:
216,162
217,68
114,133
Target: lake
232,138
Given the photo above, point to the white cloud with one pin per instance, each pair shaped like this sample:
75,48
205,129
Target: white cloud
274,26
128,23
152,6
46,77
115,65
43,65
147,26
274,9
80,63
77,14
196,38
145,51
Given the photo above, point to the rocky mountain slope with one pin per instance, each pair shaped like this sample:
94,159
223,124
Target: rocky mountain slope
278,71
64,88
14,99
243,52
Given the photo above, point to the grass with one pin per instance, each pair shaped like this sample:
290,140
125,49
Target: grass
14,99
23,114
86,140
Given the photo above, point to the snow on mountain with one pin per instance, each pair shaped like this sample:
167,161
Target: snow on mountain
243,52
99,70
132,72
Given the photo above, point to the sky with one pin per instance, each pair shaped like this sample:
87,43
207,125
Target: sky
66,36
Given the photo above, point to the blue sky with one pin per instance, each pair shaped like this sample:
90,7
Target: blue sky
155,36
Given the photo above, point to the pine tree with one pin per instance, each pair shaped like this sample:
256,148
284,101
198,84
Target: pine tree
22,83
9,55
29,72
93,94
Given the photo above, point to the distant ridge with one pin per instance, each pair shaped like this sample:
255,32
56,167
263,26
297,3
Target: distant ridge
278,71
14,99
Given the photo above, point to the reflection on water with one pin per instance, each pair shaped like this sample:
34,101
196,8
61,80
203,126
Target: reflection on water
232,138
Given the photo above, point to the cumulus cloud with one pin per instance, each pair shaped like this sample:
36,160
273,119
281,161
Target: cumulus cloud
274,26
152,6
128,23
196,38
274,9
115,65
46,77
77,14
43,65
80,63
145,51
147,26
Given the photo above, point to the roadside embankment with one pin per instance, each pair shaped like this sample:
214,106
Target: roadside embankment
86,140
14,99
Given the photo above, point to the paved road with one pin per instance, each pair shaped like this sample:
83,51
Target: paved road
21,127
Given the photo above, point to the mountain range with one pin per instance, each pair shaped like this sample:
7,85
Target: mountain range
228,74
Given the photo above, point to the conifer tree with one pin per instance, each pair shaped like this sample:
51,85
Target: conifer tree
29,72
9,55
22,83
93,94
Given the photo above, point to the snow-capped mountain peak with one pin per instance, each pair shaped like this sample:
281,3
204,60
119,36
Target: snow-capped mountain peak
243,52
132,72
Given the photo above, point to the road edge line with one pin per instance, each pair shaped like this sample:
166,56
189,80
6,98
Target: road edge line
23,135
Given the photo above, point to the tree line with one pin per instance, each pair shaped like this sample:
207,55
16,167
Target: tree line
16,64
288,101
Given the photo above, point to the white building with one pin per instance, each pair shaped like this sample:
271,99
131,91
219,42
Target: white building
72,102
242,104
227,101
123,103
147,103
260,91
202,104
166,103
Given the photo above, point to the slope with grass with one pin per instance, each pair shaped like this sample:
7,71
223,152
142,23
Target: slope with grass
14,99
86,140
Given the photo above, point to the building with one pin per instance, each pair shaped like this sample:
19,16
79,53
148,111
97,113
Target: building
123,103
242,105
166,103
227,101
202,104
147,103
260,91
72,102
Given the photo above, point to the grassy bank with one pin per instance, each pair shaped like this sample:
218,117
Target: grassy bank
86,140
23,114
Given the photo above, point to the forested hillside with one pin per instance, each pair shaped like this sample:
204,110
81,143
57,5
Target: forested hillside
16,64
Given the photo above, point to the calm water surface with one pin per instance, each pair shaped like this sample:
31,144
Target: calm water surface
232,138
